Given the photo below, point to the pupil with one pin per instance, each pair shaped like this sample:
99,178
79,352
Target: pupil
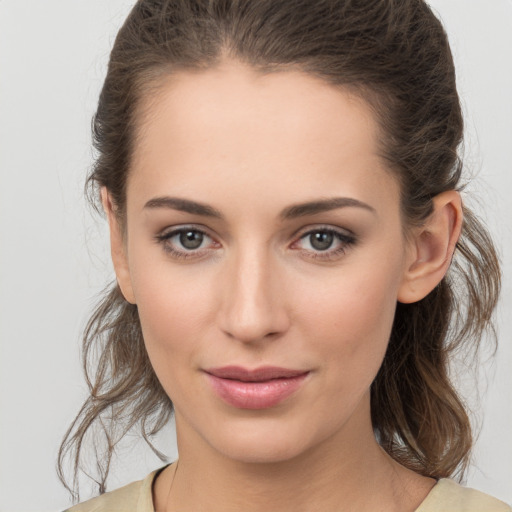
322,240
191,239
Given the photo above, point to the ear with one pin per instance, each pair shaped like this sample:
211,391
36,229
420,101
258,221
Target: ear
117,247
432,248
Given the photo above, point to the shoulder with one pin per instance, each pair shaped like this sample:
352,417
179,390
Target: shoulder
449,496
134,497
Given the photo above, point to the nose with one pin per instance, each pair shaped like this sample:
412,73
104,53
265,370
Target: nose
253,299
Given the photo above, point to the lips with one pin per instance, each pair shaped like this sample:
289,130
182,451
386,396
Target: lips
260,388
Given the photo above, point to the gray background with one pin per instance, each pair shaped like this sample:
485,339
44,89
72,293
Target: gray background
53,252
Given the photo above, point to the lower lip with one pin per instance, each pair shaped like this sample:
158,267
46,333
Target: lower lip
255,395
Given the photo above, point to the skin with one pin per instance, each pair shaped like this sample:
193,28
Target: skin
258,292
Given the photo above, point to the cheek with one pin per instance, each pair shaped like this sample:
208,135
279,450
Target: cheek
351,317
173,309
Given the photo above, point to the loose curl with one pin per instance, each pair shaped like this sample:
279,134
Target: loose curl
395,55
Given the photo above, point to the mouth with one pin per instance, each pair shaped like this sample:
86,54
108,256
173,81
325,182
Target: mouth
259,388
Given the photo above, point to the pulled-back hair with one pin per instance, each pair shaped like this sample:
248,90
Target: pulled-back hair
395,55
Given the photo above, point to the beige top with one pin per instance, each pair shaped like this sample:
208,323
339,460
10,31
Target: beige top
445,496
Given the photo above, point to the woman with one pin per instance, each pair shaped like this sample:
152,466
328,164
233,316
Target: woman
281,184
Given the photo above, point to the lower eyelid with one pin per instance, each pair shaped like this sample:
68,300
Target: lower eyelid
166,235
175,251
345,241
339,235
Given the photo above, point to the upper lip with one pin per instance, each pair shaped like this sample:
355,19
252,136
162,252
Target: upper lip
255,375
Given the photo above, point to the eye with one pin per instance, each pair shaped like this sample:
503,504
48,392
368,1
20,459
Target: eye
325,243
185,242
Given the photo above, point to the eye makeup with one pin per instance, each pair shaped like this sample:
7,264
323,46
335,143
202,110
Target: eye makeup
323,243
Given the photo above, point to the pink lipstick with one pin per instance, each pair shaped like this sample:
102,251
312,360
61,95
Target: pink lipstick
260,388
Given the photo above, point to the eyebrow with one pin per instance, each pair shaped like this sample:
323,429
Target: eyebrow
291,212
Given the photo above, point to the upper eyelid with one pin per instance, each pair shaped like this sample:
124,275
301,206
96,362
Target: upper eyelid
183,227
325,227
298,235
299,232
170,231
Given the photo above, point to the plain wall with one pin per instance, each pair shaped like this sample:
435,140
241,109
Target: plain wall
53,251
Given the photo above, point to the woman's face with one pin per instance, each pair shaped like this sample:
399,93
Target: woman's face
264,251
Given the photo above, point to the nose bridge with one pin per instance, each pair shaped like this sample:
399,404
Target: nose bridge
253,305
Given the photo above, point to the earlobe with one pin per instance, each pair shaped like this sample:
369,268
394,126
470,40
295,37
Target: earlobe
432,248
117,247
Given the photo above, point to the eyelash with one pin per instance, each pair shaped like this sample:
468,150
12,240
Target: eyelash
346,241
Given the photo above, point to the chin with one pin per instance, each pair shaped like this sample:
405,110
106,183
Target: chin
265,442
261,451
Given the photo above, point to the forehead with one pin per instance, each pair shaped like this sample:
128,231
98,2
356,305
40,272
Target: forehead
233,95
233,126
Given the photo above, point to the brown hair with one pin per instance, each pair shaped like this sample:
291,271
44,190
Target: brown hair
395,55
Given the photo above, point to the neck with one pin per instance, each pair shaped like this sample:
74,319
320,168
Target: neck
349,469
